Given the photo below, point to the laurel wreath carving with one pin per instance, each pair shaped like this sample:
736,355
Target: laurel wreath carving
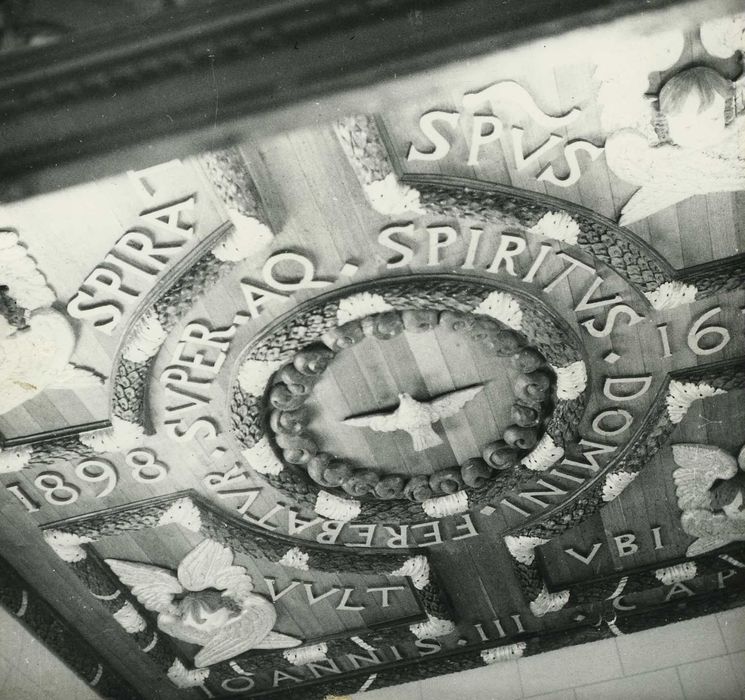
540,329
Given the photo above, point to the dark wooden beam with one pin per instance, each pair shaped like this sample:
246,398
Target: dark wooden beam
189,80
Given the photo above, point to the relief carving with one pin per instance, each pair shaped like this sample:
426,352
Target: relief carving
416,417
710,485
36,341
335,485
209,602
696,147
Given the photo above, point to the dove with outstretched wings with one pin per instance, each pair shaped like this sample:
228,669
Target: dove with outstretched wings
703,469
668,174
416,417
209,602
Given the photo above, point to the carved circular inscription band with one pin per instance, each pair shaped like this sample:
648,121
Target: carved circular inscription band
270,410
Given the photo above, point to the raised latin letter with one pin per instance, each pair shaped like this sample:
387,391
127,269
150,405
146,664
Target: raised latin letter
436,537
585,559
677,589
626,544
509,247
170,216
330,531
305,281
625,416
467,525
312,598
607,329
385,238
256,297
645,382
297,524
384,590
273,594
551,490
595,448
440,143
367,532
575,172
522,161
586,304
436,241
427,646
398,536
480,136
345,599
105,316
574,264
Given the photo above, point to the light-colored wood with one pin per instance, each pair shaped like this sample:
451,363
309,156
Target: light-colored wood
312,199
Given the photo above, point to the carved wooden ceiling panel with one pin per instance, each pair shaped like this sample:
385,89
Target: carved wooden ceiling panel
381,399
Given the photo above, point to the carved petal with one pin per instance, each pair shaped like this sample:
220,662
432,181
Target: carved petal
183,678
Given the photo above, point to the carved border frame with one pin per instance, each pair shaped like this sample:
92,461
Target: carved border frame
81,658
600,624
645,578
21,600
552,337
71,539
718,377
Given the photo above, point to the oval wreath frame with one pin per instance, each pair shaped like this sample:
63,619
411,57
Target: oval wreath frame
309,324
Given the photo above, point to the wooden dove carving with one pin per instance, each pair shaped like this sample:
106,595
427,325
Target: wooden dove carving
209,602
416,417
703,470
669,174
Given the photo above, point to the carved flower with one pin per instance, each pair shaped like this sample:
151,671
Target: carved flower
390,486
296,449
327,471
361,482
475,472
312,361
499,455
446,481
418,489
522,438
533,386
419,320
282,398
